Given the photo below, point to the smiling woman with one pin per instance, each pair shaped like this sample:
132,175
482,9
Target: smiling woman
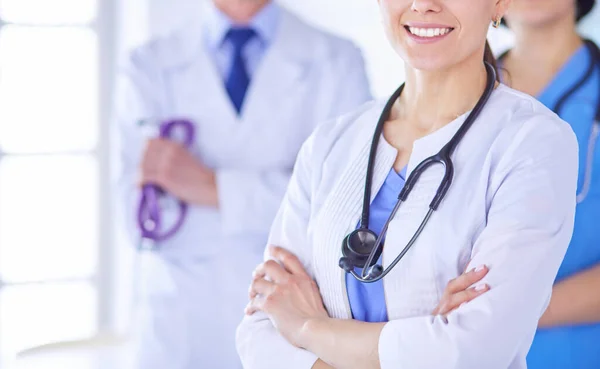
368,234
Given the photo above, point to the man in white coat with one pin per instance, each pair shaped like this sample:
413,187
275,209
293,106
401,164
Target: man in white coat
255,80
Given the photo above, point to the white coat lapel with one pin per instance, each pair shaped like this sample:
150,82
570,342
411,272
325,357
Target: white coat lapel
278,78
196,92
198,72
188,67
341,211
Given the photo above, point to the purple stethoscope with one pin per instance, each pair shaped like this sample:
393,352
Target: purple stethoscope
150,215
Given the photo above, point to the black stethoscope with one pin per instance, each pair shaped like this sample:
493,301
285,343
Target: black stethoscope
363,247
594,52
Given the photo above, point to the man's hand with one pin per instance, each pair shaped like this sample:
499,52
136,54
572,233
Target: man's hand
169,165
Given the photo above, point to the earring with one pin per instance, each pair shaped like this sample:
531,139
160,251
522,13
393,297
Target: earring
496,23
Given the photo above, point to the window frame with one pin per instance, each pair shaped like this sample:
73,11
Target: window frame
104,26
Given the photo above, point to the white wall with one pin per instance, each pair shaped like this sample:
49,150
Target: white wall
360,21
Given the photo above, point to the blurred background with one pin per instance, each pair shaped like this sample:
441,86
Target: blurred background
67,284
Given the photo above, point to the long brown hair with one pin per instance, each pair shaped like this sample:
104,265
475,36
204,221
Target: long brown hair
488,56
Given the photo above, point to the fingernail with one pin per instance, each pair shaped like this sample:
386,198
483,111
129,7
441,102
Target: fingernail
479,268
480,287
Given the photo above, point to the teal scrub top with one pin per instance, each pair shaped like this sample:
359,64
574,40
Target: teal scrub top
575,347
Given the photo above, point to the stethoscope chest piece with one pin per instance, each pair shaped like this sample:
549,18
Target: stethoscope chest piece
356,250
357,247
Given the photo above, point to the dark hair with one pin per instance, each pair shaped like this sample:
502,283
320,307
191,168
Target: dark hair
584,7
488,57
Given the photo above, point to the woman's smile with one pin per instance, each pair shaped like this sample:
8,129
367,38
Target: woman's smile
427,32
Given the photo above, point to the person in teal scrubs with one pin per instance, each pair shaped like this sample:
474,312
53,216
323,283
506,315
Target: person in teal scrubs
549,60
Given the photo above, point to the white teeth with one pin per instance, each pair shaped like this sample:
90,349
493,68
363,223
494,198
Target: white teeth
429,32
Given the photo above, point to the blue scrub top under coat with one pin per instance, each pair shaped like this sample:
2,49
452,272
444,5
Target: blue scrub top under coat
367,300
575,347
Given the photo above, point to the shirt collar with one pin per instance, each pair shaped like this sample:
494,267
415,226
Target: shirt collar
217,24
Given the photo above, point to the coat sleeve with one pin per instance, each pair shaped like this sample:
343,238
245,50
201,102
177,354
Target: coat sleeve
529,226
133,102
259,344
248,200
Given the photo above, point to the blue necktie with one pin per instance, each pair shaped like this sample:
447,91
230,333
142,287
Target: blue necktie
238,79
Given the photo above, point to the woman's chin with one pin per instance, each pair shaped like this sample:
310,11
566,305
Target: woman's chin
428,63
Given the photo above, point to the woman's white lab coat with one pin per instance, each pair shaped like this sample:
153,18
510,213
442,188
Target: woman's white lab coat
510,207
194,285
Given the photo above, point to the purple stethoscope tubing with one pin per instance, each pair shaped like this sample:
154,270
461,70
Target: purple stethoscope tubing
149,215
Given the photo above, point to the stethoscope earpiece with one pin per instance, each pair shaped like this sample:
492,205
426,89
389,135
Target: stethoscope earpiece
375,272
346,264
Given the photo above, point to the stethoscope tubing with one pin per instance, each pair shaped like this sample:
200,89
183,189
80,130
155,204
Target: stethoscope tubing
443,157
150,214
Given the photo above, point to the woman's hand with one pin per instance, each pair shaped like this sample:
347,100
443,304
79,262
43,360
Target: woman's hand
460,291
287,294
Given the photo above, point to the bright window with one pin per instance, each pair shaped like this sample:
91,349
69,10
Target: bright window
48,12
48,89
49,218
50,171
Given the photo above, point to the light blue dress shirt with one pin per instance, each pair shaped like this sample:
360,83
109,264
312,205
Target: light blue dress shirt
575,347
367,300
217,24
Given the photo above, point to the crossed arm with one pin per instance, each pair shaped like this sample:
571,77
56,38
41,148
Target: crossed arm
528,227
285,291
576,300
